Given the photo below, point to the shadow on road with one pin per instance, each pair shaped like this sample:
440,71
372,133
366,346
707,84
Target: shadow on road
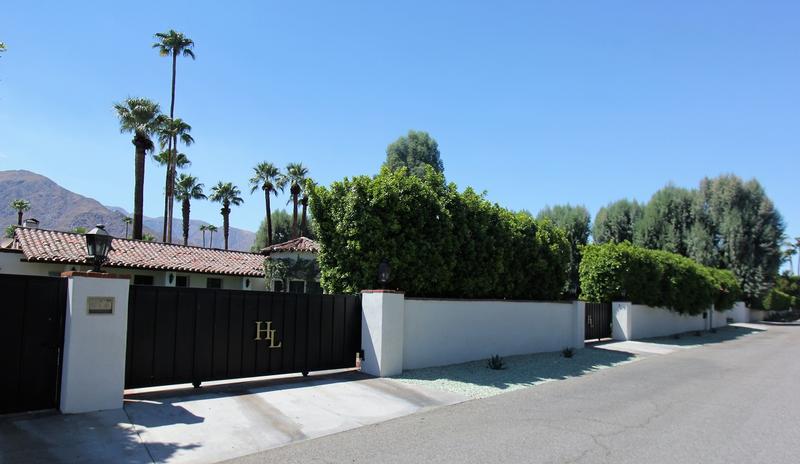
722,334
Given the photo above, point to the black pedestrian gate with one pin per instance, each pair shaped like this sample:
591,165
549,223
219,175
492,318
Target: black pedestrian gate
191,335
598,321
31,340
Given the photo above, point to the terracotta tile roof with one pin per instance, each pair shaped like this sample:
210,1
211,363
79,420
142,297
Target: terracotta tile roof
297,244
51,246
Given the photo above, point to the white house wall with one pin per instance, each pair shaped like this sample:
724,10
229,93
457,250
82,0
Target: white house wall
10,263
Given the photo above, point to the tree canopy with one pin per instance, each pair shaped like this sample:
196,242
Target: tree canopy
413,152
615,223
575,221
281,230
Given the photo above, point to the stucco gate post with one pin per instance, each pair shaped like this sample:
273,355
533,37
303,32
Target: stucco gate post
95,332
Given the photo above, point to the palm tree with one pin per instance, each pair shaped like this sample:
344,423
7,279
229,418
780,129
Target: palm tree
227,194
140,117
186,189
203,228
127,220
170,131
181,160
308,184
172,43
211,228
295,176
267,178
20,206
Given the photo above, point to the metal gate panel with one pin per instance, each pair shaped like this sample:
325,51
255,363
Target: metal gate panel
191,335
598,321
31,341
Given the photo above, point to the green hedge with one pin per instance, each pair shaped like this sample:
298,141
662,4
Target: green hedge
777,300
614,272
438,241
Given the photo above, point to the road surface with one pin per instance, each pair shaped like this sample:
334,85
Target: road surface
731,402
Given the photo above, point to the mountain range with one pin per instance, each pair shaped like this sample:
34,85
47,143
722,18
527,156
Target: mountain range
60,209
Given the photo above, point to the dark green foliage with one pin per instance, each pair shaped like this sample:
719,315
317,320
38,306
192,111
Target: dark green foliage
789,284
666,221
439,242
496,363
9,232
615,223
568,352
281,230
614,272
575,221
777,300
738,228
413,152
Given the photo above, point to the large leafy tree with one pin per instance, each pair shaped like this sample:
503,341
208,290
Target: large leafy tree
227,194
187,188
738,228
615,222
575,221
294,177
267,178
413,152
667,221
169,133
141,117
20,206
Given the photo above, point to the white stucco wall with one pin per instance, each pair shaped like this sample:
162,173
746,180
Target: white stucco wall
632,321
740,312
441,332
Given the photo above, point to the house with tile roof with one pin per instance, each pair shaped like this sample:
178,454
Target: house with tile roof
36,251
292,266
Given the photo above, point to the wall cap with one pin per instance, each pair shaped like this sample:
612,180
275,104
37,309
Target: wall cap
400,292
96,275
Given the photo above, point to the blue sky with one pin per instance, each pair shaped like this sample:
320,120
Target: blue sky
535,102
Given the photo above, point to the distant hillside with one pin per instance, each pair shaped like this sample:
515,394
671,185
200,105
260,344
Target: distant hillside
60,209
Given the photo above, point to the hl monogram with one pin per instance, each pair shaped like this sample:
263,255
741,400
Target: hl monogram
269,333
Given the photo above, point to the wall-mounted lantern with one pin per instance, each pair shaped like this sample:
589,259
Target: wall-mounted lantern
98,244
384,273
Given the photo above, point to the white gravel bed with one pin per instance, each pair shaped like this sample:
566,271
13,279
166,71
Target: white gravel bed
475,380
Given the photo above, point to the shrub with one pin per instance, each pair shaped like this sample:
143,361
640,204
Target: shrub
568,352
438,241
496,363
777,300
655,278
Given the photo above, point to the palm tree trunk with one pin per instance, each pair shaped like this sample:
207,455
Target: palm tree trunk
19,218
185,210
166,191
126,230
170,176
138,190
294,216
225,214
303,220
211,239
269,219
171,191
204,237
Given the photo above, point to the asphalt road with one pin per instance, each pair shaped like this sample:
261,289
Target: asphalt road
732,402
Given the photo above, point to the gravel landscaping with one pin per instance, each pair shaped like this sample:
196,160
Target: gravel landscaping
475,380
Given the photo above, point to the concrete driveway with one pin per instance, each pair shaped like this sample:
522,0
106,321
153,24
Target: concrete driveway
214,423
728,402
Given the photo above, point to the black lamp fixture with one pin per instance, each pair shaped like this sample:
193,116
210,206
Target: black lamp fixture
98,244
384,272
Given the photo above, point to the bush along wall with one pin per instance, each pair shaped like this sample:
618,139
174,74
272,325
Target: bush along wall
623,272
439,242
777,300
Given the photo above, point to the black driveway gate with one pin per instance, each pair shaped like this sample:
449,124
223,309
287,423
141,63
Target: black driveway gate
31,339
598,321
191,335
